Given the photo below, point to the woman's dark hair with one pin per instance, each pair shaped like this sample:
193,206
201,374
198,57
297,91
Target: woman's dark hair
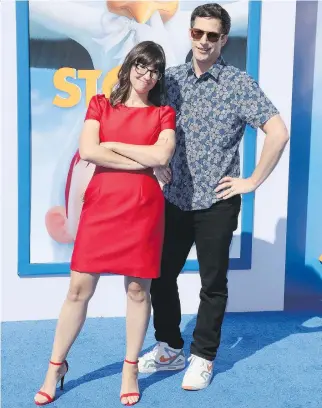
212,10
147,53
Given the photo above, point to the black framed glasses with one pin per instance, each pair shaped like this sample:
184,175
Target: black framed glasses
142,70
212,36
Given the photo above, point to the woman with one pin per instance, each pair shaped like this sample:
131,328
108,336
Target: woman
122,221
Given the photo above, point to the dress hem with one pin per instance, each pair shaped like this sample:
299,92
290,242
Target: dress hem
132,275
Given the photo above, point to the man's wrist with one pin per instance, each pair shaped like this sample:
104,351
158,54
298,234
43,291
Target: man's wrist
254,182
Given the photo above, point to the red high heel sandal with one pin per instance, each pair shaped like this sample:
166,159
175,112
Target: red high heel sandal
44,394
131,394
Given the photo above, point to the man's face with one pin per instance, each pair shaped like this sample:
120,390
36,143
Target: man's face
207,39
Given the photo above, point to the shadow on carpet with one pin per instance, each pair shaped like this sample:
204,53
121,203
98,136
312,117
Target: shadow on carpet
271,360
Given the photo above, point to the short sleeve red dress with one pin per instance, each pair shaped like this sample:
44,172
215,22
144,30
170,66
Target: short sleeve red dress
121,226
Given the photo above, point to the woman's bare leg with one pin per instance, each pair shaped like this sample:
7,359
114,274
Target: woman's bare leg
137,319
70,322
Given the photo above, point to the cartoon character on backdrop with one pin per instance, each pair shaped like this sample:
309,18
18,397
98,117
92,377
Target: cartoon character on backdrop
108,30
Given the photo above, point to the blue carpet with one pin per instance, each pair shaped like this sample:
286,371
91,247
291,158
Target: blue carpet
271,360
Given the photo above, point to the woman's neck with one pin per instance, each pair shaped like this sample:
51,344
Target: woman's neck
136,99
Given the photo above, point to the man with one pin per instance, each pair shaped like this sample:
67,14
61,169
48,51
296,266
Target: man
214,102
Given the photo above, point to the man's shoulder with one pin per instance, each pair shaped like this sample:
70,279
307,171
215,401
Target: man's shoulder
177,71
238,75
235,73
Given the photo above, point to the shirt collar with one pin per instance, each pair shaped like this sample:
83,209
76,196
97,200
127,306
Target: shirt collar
213,71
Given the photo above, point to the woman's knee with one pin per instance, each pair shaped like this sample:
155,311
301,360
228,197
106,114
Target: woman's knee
79,293
137,293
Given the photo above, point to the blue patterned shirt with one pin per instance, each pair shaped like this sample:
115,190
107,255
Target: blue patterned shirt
212,113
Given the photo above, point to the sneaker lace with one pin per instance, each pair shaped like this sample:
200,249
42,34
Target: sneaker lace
196,361
152,354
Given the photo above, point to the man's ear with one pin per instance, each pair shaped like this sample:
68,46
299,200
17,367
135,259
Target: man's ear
224,40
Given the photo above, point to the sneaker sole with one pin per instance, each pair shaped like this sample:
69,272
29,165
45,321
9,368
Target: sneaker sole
191,388
150,370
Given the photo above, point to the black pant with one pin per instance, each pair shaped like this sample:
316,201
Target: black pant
212,231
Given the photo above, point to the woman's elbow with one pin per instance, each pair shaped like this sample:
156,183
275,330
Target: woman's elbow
85,153
165,159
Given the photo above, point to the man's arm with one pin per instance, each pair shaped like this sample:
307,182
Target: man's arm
275,142
91,151
255,109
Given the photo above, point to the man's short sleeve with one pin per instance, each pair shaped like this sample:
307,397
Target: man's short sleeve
254,107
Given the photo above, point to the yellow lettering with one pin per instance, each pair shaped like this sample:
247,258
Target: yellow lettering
91,77
61,83
110,81
74,91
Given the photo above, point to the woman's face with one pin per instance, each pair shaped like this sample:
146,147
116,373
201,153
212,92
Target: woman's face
143,78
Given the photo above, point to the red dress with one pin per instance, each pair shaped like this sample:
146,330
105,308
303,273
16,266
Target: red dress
121,226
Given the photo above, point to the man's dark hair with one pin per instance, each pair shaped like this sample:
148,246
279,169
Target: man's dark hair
212,10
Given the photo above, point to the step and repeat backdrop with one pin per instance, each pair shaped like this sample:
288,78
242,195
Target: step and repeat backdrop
303,283
65,52
70,51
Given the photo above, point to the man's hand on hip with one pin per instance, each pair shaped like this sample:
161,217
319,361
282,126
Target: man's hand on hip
230,186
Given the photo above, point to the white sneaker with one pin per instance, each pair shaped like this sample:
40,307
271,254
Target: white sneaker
198,374
162,358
